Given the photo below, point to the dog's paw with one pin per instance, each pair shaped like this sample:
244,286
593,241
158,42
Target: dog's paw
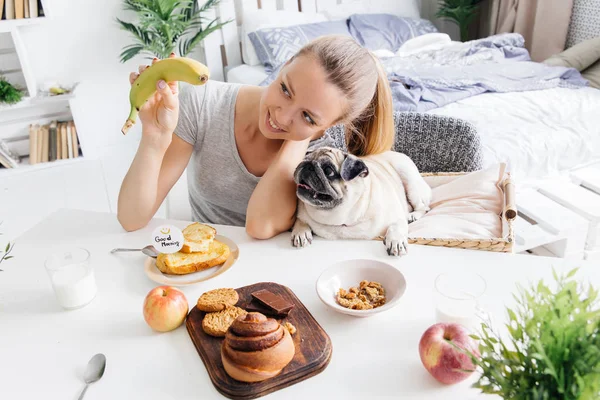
396,245
419,197
415,215
302,238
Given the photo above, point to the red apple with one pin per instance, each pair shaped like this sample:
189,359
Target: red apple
444,362
165,308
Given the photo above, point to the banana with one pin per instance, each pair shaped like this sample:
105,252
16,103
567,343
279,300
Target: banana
170,70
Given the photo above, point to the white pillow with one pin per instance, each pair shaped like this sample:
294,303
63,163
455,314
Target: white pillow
253,20
426,42
400,8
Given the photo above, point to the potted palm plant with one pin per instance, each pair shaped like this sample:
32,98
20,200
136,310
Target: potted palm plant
463,12
167,26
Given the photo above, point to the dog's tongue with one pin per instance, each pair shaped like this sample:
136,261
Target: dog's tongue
315,194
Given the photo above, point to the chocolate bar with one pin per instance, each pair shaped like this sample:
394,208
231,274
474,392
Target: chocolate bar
254,305
272,301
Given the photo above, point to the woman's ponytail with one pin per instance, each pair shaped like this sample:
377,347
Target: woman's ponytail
373,132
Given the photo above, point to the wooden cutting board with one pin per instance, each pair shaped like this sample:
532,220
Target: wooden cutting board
313,347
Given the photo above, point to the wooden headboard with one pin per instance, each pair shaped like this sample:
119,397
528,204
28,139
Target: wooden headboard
222,50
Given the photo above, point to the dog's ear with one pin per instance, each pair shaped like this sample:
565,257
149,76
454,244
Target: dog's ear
353,167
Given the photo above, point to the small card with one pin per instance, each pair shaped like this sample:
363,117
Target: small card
167,239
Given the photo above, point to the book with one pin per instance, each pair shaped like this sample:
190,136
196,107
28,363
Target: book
26,5
69,140
45,143
33,8
19,9
64,143
75,139
33,144
58,142
40,144
1,9
53,143
9,9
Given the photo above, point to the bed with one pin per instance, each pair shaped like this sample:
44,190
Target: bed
546,130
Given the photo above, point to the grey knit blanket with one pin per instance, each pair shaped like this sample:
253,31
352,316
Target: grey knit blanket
435,143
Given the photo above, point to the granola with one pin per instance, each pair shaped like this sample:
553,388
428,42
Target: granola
366,296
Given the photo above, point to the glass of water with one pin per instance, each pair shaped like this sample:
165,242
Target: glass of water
457,298
72,277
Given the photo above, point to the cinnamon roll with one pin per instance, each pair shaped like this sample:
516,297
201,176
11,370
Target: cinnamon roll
256,348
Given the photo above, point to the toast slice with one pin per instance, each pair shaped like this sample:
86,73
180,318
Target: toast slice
197,238
185,263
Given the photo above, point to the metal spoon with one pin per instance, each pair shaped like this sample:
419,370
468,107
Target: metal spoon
93,371
149,250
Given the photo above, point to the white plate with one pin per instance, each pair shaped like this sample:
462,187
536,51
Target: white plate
346,274
189,279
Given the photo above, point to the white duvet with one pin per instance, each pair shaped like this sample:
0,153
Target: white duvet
537,133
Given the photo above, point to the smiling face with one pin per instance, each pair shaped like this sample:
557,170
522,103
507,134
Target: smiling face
300,103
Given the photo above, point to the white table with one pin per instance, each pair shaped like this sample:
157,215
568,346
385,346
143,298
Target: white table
44,349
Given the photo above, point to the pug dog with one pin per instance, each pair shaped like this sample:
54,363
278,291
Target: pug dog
346,197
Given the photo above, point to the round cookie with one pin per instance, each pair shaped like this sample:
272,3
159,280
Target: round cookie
217,323
217,300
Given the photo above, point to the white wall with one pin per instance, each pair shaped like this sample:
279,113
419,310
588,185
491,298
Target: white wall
81,42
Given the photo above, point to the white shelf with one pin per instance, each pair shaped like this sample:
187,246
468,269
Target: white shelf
27,101
7,25
24,166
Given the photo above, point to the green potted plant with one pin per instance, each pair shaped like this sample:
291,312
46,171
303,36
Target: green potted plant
167,26
552,347
463,12
8,93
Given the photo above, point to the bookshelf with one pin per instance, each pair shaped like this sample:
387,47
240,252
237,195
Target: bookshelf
36,101
7,25
35,107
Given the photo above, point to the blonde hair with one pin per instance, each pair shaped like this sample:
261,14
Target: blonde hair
368,118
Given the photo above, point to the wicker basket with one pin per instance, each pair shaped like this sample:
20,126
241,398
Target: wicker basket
504,244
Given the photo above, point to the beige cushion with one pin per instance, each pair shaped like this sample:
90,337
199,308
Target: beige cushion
583,57
463,207
592,74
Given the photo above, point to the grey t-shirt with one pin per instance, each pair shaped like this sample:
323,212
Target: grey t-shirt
219,184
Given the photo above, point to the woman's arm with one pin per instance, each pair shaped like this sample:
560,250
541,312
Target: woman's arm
272,206
153,172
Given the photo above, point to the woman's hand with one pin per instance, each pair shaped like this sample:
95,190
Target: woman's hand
160,113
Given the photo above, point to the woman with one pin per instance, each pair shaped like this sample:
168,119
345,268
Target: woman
246,141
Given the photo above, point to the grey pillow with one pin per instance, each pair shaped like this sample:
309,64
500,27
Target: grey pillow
435,143
274,46
386,31
585,22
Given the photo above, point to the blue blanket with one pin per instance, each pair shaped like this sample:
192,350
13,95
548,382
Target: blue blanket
499,63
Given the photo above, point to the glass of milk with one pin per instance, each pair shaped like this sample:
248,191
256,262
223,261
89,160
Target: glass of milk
72,277
457,296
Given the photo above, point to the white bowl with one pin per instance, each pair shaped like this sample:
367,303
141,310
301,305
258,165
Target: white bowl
349,273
